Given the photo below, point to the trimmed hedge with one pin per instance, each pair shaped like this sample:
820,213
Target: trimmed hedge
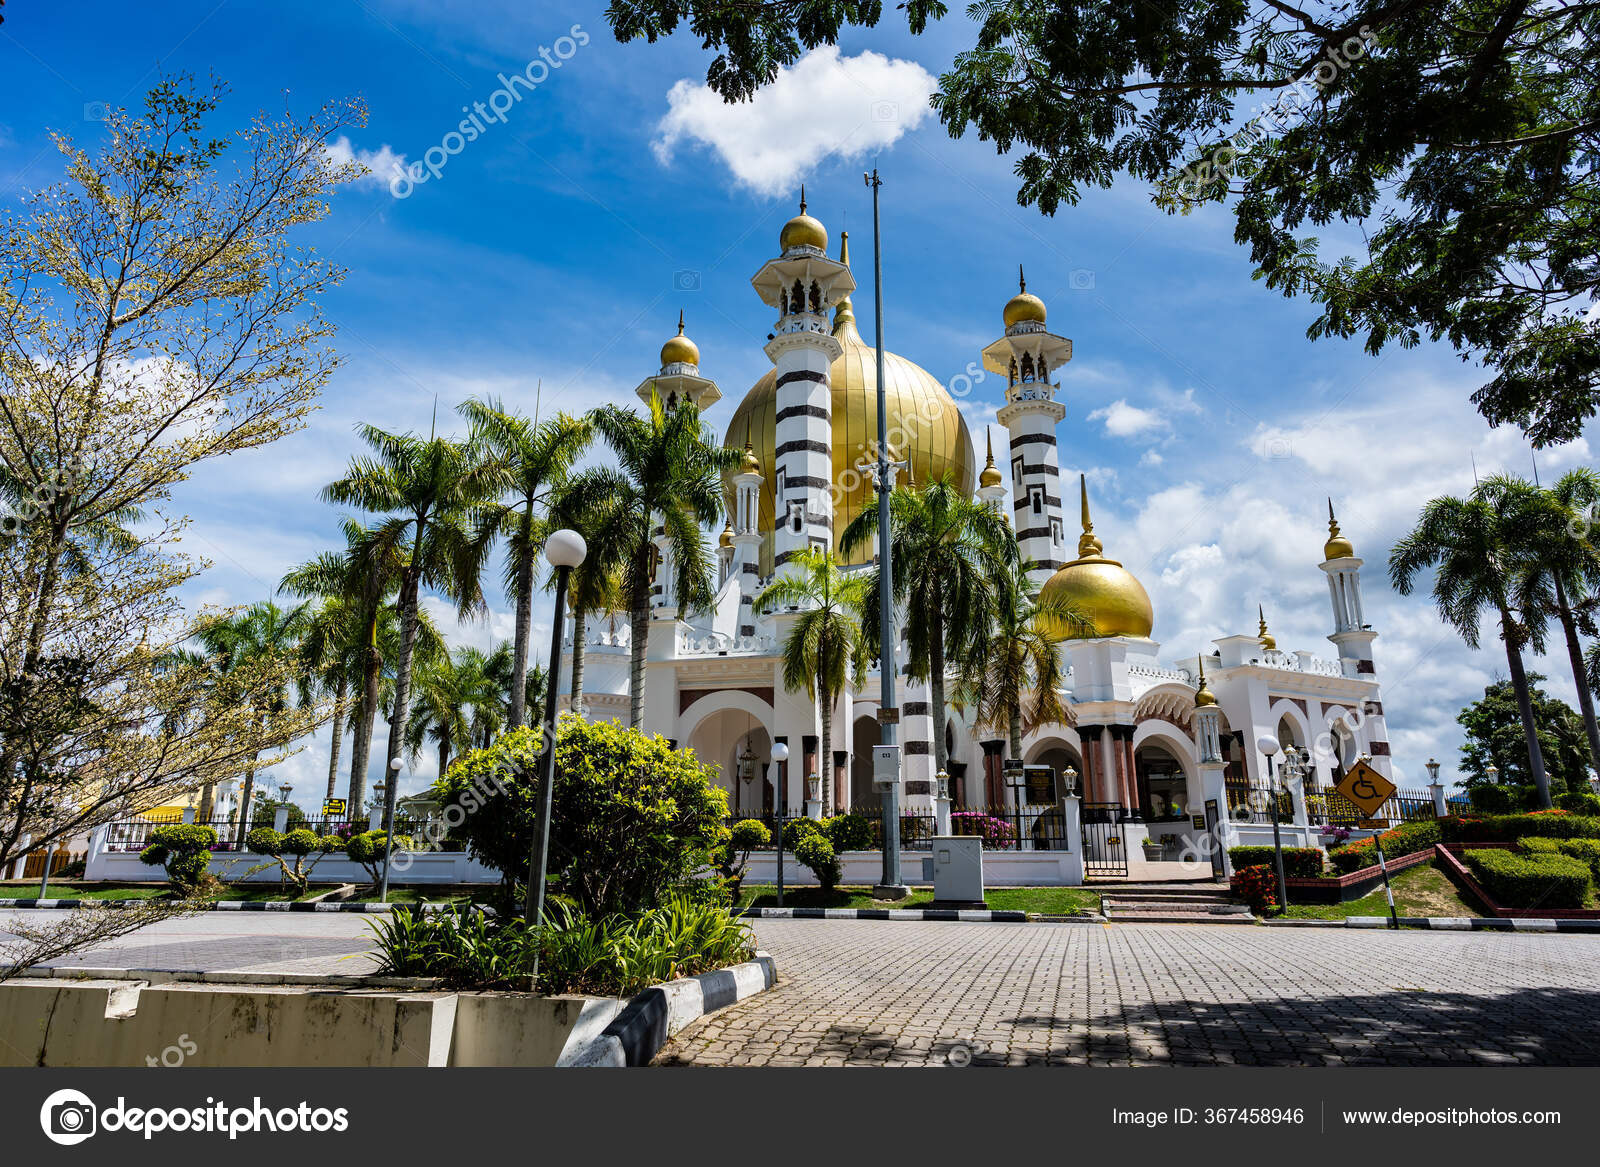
1487,799
1579,802
1405,839
1584,850
1298,862
1508,828
1536,880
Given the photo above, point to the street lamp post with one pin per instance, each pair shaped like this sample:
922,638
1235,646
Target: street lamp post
1268,745
391,790
565,549
780,755
888,713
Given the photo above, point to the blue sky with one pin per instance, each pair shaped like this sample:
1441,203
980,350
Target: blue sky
559,247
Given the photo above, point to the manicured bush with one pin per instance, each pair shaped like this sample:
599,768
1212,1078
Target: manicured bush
742,838
1256,886
814,851
184,849
1579,802
1586,851
1508,828
849,832
997,833
1531,881
1406,839
291,850
633,822
1537,846
1298,862
1491,799
368,847
794,830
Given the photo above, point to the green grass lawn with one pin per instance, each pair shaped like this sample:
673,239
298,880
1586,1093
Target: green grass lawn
1050,901
1423,890
29,890
249,893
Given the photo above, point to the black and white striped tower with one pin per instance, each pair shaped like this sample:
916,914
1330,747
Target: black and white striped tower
1027,356
802,284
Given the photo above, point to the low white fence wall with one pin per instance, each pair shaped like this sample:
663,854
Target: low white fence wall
435,867
1000,868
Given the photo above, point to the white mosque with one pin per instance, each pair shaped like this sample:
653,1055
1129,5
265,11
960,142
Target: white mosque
1158,740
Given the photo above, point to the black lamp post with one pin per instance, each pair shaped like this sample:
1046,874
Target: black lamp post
780,796
565,550
1268,745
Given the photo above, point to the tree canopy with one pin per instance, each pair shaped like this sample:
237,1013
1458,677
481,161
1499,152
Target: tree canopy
1494,737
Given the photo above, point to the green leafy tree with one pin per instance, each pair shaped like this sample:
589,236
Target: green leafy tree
667,474
459,703
1476,547
296,853
824,646
533,462
950,555
1461,136
1493,728
184,849
368,848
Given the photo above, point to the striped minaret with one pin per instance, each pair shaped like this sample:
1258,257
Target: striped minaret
1026,356
802,284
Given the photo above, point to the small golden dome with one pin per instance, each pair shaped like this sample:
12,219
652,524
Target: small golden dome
751,464
990,475
1268,641
1101,590
803,230
680,350
1337,546
727,535
1023,306
1203,696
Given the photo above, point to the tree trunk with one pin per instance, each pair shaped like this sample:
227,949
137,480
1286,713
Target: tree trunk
941,757
246,797
1519,684
409,599
580,629
340,714
1580,677
519,652
444,755
366,724
825,753
636,653
208,804
1015,733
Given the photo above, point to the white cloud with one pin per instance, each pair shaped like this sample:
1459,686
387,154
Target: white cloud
824,105
382,164
1129,421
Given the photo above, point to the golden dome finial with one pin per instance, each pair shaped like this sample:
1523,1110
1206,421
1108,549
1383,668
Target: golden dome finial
680,350
1023,306
1089,547
751,464
990,475
1268,642
803,230
845,312
1203,696
1337,546
727,535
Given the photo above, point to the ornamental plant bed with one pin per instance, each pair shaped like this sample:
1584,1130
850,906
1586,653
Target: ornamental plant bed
1353,885
1451,861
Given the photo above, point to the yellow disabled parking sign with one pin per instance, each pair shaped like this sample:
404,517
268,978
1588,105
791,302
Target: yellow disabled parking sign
1366,788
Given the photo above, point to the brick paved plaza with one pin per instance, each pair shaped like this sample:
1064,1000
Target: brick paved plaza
870,993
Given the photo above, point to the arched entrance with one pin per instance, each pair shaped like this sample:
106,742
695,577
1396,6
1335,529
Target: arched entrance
1162,783
864,734
736,746
1059,757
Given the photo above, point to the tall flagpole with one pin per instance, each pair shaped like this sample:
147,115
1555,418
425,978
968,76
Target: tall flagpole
888,713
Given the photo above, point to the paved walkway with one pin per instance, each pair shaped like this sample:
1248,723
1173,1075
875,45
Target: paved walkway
861,993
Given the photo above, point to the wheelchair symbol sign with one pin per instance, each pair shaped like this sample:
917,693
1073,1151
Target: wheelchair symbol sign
1367,788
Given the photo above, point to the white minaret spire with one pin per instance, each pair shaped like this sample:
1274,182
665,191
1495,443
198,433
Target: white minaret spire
803,284
1026,356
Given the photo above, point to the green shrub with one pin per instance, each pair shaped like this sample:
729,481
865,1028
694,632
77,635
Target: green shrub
1298,862
613,955
184,849
849,832
1406,839
743,837
814,851
291,850
1256,886
1531,881
368,848
797,829
1586,851
1508,828
1579,802
1491,799
1534,845
633,822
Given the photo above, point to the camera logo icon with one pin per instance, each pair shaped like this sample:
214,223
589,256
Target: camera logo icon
1081,279
68,1117
96,111
686,281
885,111
1277,449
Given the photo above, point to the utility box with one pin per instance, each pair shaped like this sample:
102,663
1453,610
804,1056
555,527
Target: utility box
956,868
885,768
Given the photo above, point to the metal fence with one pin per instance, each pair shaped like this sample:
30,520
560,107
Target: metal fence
1025,827
134,834
1325,807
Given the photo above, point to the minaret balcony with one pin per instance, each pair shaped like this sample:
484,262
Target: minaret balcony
802,322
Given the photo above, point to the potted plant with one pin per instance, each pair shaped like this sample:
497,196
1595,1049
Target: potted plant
1152,850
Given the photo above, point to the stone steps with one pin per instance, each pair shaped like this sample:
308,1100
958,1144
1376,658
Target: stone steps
1197,905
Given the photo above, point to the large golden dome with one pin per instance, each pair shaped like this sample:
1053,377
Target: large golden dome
1337,546
1101,590
680,350
1024,305
803,230
924,424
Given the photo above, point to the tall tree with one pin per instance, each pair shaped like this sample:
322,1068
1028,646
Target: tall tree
459,703
1477,546
1462,136
951,554
1010,679
1492,728
1560,579
428,489
824,646
533,460
157,310
668,476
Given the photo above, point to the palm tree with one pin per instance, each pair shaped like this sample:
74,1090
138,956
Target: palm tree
950,552
533,460
260,632
326,666
667,478
458,703
428,489
1561,579
824,645
1477,546
593,587
1018,655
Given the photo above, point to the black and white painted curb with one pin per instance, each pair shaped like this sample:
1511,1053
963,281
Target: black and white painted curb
636,1034
962,915
236,905
1447,924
